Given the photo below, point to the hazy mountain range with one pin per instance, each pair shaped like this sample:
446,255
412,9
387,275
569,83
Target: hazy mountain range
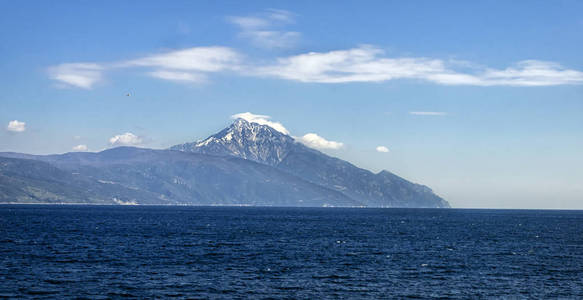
244,164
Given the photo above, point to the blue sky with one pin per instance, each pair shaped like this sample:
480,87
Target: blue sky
481,101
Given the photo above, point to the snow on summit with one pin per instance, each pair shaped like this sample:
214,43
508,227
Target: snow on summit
261,120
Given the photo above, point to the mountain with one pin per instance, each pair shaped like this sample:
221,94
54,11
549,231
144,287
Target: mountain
251,141
35,181
244,164
128,175
265,145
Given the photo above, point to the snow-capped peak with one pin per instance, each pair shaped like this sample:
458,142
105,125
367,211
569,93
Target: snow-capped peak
261,120
249,140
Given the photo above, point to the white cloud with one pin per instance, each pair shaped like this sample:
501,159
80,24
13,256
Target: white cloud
455,79
361,64
188,65
281,15
428,113
185,65
80,148
272,38
382,149
16,126
313,140
367,64
249,23
523,73
126,139
260,29
199,59
179,76
81,75
532,73
262,120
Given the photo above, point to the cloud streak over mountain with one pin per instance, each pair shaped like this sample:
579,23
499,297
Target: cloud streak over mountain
262,120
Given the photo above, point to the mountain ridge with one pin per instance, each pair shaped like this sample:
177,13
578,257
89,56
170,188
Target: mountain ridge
147,176
244,164
243,139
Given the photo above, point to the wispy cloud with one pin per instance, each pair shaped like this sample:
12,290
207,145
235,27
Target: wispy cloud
178,76
368,64
260,29
273,39
428,113
361,64
532,73
249,23
126,139
184,65
365,63
188,65
262,120
281,15
313,140
16,126
197,59
80,75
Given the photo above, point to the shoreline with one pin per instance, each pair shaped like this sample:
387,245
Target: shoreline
264,206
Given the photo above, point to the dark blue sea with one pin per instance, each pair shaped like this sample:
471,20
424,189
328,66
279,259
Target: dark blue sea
307,253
